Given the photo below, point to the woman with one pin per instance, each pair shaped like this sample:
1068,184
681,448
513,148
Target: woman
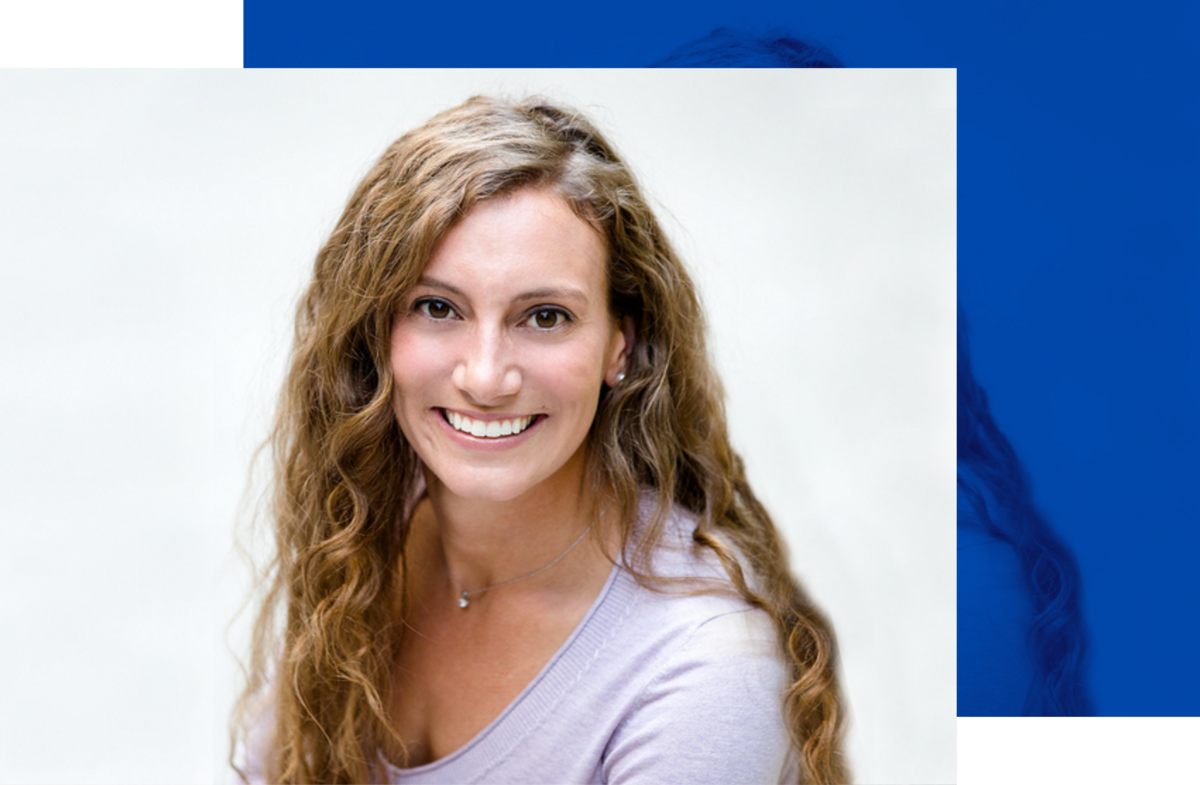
514,544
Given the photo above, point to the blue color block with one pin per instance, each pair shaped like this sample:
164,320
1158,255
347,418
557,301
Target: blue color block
623,33
1079,212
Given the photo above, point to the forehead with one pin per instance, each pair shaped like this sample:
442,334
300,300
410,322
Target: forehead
530,237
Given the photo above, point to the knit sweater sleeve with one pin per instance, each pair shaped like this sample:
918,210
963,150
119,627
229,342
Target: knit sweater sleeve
713,714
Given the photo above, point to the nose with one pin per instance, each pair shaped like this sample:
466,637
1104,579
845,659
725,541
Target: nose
485,372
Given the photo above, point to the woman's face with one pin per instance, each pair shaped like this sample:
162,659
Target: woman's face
498,354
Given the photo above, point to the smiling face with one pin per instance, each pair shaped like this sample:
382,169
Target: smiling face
499,352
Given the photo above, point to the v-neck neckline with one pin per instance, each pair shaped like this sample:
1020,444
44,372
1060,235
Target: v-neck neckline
534,703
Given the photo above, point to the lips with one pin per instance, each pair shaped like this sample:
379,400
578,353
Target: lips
489,429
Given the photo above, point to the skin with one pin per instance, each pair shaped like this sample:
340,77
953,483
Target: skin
510,319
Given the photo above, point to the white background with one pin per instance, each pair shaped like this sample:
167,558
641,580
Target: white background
156,229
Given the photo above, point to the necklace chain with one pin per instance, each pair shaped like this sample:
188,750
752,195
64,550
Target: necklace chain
464,595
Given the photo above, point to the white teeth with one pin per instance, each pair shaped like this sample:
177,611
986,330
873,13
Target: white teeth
492,429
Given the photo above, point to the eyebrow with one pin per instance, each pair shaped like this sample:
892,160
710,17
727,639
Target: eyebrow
551,292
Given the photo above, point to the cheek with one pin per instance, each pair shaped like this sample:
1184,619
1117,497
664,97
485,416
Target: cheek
415,364
572,378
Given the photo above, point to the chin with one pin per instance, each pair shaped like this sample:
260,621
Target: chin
485,486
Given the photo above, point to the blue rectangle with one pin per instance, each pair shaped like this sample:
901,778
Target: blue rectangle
1079,207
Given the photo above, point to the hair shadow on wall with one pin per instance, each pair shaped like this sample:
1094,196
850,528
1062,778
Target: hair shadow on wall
726,48
1022,643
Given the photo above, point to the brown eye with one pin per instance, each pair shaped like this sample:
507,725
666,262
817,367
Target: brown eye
436,309
548,319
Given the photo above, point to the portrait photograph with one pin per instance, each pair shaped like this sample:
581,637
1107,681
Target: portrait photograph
478,425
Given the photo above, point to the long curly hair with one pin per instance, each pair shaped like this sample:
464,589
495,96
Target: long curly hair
994,484
344,476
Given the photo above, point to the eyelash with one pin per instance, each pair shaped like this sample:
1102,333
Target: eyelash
424,304
565,320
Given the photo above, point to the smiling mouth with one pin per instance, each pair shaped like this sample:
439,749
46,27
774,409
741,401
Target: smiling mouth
491,429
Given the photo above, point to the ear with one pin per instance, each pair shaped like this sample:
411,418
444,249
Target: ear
622,349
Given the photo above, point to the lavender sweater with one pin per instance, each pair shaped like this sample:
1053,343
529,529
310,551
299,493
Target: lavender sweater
649,688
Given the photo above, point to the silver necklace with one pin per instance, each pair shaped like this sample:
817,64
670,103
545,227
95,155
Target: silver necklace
464,595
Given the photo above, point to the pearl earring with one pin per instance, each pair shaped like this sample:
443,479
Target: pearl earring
620,377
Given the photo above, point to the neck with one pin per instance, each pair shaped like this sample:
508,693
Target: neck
484,542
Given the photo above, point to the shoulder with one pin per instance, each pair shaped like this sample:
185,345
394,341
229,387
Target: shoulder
710,710
728,664
687,593
711,677
676,555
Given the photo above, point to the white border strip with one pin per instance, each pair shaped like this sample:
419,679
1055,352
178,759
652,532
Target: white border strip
121,34
1066,750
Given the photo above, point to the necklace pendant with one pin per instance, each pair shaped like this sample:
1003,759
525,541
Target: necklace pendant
463,602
